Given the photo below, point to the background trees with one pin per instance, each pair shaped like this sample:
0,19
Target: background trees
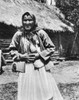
70,8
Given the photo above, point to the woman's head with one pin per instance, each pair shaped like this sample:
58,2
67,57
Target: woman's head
28,21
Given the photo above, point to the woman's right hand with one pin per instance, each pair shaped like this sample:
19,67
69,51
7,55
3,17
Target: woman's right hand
16,56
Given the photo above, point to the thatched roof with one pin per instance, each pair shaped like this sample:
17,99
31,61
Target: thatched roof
12,10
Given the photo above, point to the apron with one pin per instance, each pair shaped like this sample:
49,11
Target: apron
37,83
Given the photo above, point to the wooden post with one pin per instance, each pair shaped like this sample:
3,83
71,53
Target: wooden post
1,70
50,2
0,59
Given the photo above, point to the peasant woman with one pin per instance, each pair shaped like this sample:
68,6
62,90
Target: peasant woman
34,47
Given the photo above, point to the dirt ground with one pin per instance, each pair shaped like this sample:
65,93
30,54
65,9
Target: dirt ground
66,74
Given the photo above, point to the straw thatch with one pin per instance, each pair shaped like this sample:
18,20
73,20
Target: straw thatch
12,10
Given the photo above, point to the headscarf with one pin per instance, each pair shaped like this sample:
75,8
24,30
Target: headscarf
33,18
35,28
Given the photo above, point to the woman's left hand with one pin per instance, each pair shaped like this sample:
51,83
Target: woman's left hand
34,56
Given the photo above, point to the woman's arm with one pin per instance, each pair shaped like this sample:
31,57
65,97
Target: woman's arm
49,47
14,45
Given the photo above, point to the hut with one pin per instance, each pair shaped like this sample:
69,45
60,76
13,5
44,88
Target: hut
10,19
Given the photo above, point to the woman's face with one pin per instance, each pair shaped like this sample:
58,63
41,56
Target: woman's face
28,22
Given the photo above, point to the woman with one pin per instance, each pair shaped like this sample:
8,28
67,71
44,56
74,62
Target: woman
34,47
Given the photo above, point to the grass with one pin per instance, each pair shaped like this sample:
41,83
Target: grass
8,91
69,91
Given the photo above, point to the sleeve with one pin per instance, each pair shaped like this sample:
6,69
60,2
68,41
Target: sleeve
14,45
49,47
15,42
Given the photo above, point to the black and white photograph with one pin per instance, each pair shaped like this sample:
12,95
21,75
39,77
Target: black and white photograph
39,53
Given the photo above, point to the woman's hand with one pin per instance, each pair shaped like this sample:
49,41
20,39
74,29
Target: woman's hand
32,57
17,56
27,57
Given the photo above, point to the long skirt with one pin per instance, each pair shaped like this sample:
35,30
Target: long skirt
37,84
